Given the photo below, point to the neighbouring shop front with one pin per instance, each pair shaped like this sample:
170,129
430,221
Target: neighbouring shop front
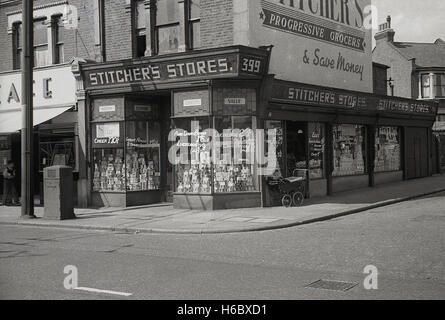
137,110
348,140
55,121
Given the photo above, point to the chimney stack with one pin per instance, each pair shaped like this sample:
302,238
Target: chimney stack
385,33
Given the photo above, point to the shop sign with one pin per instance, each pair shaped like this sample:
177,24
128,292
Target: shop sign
319,42
52,87
192,102
327,97
149,72
235,101
106,109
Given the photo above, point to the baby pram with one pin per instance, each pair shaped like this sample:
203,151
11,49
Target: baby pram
291,190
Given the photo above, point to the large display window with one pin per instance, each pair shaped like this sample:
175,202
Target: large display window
130,166
220,160
193,173
388,149
235,170
349,150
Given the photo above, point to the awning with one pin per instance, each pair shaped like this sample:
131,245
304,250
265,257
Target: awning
11,122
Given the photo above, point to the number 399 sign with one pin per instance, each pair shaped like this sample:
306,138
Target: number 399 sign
252,65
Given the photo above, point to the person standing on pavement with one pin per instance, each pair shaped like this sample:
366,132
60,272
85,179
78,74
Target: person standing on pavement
9,181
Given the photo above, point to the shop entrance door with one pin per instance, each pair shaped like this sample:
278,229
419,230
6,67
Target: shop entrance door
417,153
296,135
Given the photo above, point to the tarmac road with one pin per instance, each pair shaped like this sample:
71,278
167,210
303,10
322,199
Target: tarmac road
405,242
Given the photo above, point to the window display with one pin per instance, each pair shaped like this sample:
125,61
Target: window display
194,177
349,150
142,160
279,148
133,168
109,170
239,175
316,150
388,149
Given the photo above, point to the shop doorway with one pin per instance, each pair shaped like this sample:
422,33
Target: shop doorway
297,148
416,153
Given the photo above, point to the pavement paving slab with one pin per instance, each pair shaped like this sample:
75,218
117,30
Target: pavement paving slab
164,218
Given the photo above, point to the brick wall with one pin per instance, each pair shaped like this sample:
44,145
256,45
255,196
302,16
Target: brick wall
118,37
216,23
76,44
400,68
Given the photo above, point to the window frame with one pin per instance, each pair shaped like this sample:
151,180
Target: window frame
423,87
439,90
190,22
57,45
17,45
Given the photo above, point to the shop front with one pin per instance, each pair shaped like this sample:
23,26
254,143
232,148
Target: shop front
55,121
348,140
142,116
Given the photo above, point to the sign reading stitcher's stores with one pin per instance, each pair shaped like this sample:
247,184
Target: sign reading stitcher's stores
149,72
320,42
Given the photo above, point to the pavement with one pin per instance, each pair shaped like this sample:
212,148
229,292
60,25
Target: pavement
164,218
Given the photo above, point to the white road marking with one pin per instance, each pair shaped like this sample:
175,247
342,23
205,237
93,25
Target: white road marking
116,293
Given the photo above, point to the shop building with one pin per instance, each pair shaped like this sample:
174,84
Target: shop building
170,68
415,71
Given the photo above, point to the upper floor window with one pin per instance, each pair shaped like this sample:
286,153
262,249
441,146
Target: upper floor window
58,39
426,85
440,85
140,28
167,26
41,53
194,24
17,46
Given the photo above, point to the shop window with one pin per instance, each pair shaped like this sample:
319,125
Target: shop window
440,85
143,151
278,149
109,170
426,86
317,154
193,174
140,28
349,150
167,26
17,46
388,149
194,24
235,169
41,44
58,38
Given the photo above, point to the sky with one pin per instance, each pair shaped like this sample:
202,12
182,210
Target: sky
414,20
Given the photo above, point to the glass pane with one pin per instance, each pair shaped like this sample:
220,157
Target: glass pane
235,165
388,149
142,160
440,85
108,170
195,9
18,35
140,15
316,150
193,177
349,150
41,57
196,31
426,86
167,12
168,39
40,33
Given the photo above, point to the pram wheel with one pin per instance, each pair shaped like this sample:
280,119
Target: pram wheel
298,199
287,201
